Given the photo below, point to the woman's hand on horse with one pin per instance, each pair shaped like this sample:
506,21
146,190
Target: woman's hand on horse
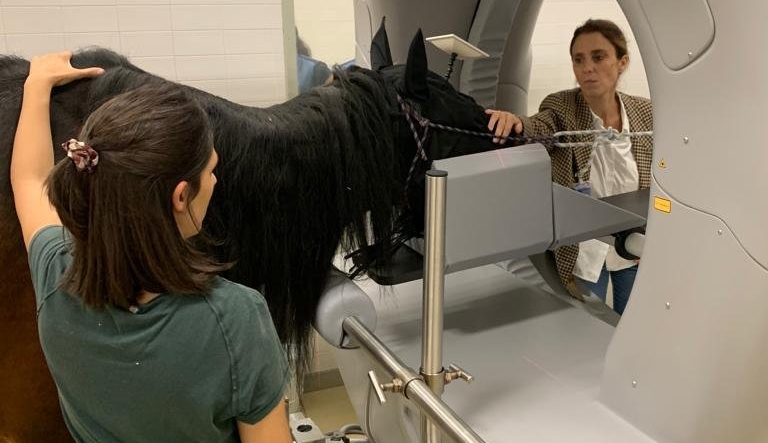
502,123
56,70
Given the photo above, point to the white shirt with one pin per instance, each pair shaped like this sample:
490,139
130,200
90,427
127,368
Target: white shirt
613,170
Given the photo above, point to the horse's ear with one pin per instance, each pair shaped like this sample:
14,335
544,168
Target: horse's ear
381,57
416,69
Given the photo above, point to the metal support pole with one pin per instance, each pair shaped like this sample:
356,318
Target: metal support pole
434,282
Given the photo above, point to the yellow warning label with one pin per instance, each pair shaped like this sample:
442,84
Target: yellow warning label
662,204
663,164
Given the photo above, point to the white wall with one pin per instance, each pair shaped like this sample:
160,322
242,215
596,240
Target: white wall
231,48
328,28
551,70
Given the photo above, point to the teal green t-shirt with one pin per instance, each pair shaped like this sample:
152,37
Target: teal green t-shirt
182,368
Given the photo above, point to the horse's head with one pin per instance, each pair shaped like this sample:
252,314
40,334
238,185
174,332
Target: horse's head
429,95
428,112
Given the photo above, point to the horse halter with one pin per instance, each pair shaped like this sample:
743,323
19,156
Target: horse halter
414,118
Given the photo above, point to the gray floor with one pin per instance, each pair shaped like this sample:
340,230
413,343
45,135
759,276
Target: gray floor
537,360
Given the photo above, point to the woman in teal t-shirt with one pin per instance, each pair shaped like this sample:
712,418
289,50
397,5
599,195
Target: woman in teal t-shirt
144,341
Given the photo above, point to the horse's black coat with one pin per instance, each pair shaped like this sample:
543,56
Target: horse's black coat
296,180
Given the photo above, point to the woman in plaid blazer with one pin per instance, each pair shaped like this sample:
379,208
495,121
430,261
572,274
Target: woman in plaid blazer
599,56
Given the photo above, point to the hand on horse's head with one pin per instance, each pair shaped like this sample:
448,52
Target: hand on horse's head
55,69
502,123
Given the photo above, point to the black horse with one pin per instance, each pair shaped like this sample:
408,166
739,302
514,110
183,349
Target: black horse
338,166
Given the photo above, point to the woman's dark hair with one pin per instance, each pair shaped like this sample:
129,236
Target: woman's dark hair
124,233
608,29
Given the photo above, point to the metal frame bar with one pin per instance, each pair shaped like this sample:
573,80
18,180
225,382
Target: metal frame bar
415,388
423,389
433,294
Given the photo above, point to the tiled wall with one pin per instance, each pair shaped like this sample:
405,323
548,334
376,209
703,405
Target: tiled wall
231,48
551,70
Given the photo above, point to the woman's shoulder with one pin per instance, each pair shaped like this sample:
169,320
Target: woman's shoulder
567,109
639,111
566,95
235,300
562,101
635,100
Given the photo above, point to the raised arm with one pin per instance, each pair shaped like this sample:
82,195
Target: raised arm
32,157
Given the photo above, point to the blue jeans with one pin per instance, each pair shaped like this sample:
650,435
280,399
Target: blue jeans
622,286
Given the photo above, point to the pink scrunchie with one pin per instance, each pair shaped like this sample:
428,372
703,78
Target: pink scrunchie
83,156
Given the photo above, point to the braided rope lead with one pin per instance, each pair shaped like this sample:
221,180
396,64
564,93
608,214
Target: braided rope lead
610,134
412,115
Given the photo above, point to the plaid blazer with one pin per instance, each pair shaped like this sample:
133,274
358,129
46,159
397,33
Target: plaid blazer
568,111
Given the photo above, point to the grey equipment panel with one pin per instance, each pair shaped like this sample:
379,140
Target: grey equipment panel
499,206
579,217
502,205
679,49
342,298
635,202
503,29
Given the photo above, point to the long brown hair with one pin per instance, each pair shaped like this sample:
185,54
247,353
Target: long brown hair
125,237
608,29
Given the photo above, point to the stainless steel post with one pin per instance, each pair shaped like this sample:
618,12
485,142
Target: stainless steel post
434,282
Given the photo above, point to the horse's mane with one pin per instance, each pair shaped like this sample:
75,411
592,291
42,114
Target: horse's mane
297,180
